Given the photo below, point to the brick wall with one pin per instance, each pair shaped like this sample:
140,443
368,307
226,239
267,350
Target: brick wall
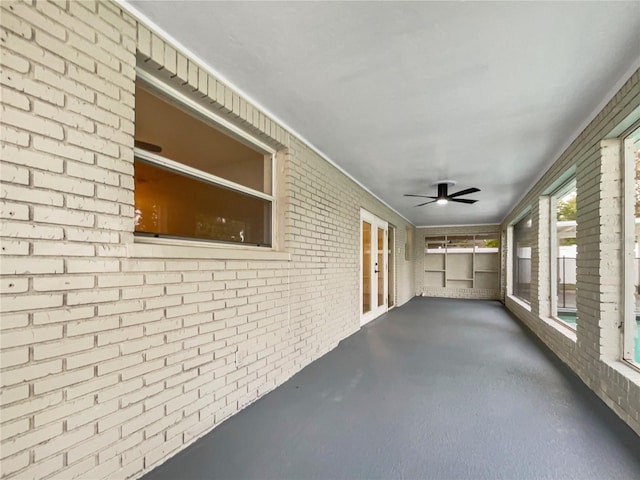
594,350
449,291
116,354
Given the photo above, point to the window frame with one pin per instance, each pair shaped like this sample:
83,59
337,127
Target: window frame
629,240
157,86
521,218
567,185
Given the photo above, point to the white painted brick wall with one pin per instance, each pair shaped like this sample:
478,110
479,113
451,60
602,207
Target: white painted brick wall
112,363
594,350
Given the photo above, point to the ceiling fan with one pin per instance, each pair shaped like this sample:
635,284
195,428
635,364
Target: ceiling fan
444,197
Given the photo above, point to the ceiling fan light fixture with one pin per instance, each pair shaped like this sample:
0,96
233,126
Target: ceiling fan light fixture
442,201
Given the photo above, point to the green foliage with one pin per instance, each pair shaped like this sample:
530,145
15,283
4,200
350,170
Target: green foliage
566,210
492,243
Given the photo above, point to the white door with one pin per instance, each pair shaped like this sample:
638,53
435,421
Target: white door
374,279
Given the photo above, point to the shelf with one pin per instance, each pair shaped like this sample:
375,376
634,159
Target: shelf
459,283
434,279
459,269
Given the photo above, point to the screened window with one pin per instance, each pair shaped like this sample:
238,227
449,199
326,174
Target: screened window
522,243
487,243
194,181
461,244
564,252
631,329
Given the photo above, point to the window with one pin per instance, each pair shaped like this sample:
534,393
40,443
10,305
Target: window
462,244
194,181
488,243
631,330
522,243
564,253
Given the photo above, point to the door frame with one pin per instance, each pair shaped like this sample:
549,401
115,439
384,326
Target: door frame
391,275
376,310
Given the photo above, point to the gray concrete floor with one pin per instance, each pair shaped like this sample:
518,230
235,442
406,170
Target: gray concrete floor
435,389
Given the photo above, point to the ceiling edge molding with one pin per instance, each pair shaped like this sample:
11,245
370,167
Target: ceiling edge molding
470,225
156,29
635,65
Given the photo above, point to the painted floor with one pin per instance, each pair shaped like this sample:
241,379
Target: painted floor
435,389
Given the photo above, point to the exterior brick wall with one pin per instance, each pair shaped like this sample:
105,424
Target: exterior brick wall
116,354
594,350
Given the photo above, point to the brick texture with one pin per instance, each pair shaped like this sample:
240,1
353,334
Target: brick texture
117,355
594,351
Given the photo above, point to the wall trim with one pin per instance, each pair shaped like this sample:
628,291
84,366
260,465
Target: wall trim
462,225
635,65
156,29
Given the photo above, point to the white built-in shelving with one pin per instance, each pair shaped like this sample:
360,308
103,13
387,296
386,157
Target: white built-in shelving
470,261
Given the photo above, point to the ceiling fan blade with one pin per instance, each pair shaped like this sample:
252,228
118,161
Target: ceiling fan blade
421,196
462,200
464,192
425,203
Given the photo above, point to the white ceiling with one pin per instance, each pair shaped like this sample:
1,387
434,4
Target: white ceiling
401,95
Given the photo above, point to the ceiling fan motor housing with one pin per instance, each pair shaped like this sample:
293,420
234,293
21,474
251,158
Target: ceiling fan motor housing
442,190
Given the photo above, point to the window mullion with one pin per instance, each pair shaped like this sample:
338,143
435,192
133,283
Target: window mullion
629,229
161,161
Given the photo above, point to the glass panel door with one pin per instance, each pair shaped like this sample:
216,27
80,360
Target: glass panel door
374,267
366,267
391,246
381,265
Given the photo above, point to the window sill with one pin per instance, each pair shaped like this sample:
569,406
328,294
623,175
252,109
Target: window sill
633,365
521,303
172,248
625,369
561,327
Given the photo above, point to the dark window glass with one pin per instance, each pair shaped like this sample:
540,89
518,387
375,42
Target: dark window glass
164,129
168,203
